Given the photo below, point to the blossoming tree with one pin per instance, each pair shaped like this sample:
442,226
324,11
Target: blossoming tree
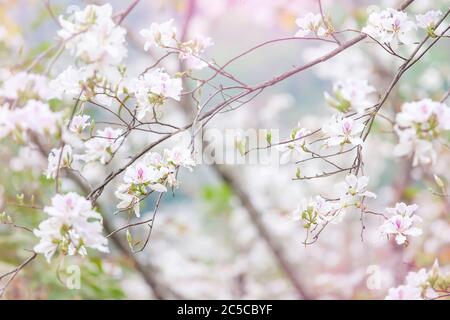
93,139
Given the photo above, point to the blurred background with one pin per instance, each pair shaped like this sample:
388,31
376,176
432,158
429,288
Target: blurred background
205,242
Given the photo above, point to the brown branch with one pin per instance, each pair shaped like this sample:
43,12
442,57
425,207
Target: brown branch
123,15
255,217
13,273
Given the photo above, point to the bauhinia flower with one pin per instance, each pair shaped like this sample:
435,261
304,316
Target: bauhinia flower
419,127
79,123
192,50
311,23
72,227
35,116
153,173
401,224
164,35
343,131
423,151
390,27
352,191
23,85
179,157
70,83
58,159
351,95
428,20
423,284
313,212
93,36
103,145
153,88
160,35
404,293
128,199
291,151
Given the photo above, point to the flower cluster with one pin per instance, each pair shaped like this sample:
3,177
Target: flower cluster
401,223
192,51
350,95
160,35
313,212
35,116
422,285
72,227
343,131
70,83
79,123
152,89
419,127
25,86
311,23
103,145
92,36
164,35
352,192
24,107
153,173
390,27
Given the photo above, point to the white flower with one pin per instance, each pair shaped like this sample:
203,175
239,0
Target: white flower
419,285
164,35
313,212
429,19
153,88
141,173
180,157
417,279
69,83
353,189
402,209
153,173
38,117
92,35
292,151
310,23
72,227
404,293
35,116
427,113
79,123
128,199
351,95
55,158
103,145
342,131
419,127
401,224
192,51
25,85
390,26
160,35
423,150
154,159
